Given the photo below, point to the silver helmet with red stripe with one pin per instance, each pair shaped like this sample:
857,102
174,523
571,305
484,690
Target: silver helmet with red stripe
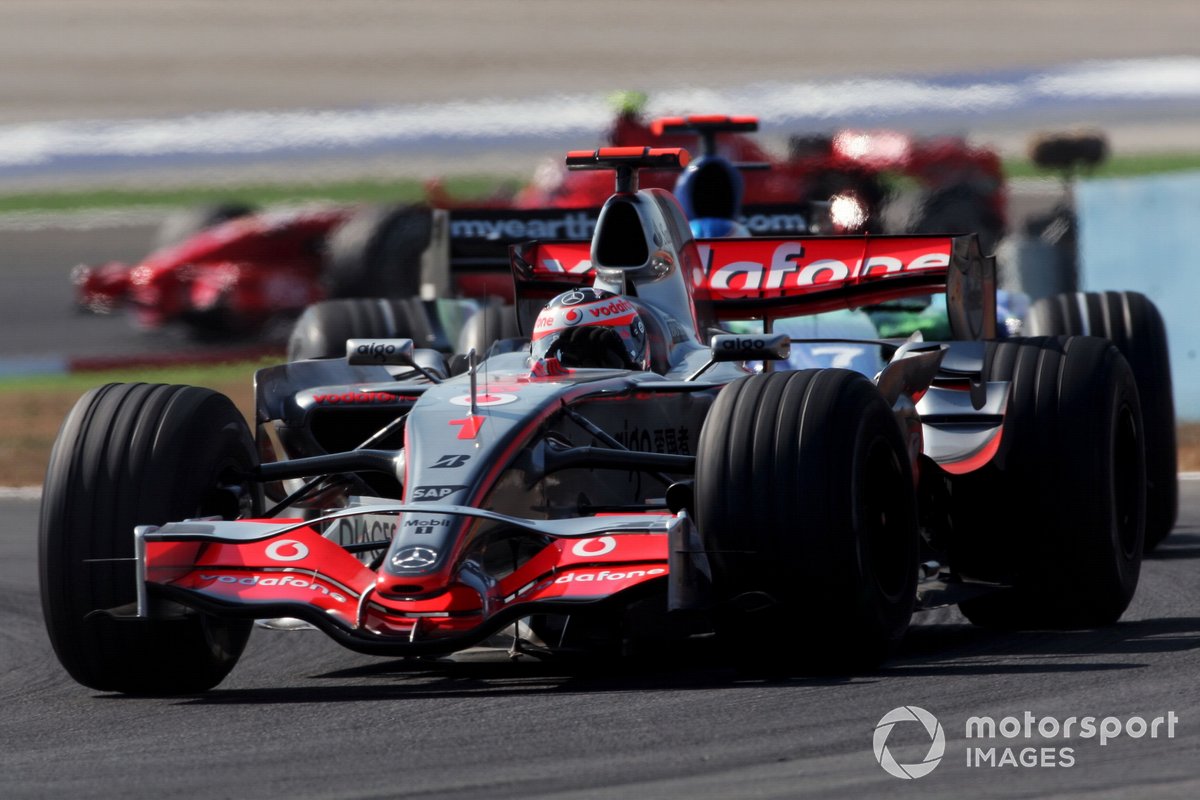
592,328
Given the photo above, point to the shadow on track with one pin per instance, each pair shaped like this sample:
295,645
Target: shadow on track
1179,545
950,649
961,649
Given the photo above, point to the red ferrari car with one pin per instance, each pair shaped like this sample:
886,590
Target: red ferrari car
228,269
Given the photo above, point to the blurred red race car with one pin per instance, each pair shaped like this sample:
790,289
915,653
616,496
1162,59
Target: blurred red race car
959,187
226,269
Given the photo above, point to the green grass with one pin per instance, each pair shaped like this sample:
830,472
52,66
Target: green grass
407,190
364,191
1116,167
211,375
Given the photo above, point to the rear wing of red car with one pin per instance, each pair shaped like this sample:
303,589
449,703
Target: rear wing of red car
773,278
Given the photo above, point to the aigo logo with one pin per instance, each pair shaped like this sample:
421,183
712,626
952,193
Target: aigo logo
377,350
937,746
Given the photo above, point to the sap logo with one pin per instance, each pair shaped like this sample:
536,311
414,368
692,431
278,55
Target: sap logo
422,493
450,462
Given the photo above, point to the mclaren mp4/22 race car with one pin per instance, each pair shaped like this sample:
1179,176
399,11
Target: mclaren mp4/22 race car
628,473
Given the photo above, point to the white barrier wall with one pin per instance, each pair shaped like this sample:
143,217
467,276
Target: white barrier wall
1143,234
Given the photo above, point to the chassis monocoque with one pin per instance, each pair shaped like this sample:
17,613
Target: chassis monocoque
404,511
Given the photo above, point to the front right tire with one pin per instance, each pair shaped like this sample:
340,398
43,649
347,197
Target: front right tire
805,504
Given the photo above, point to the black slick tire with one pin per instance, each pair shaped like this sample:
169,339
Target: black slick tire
805,505
127,455
377,252
322,330
487,326
1059,514
1131,322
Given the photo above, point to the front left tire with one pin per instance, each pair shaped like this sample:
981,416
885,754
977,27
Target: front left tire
128,455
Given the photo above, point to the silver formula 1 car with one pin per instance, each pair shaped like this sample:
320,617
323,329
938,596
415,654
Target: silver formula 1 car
626,472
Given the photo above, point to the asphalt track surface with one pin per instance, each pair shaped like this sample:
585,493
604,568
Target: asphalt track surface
301,718
62,59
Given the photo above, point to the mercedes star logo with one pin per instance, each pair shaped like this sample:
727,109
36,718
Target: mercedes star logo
414,557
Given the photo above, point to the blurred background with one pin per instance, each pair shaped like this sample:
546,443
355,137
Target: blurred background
115,115
110,91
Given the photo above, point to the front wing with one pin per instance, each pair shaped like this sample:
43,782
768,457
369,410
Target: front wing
271,568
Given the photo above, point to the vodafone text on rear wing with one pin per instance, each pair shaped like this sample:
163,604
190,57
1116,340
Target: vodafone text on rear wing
772,278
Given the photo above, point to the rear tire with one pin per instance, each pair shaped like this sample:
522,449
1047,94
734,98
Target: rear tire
377,252
323,328
1059,514
1131,322
136,454
804,493
486,327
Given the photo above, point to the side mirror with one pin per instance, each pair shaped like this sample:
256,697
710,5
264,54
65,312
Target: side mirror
380,352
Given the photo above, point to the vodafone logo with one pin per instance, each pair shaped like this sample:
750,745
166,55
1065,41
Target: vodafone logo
594,547
751,270
287,550
612,308
485,399
572,317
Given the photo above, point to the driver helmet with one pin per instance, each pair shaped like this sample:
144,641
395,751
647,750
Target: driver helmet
591,328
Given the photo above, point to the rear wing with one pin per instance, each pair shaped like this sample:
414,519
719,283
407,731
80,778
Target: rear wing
773,278
475,241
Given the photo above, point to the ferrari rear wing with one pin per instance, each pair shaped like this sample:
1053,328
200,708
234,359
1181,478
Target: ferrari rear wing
773,278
